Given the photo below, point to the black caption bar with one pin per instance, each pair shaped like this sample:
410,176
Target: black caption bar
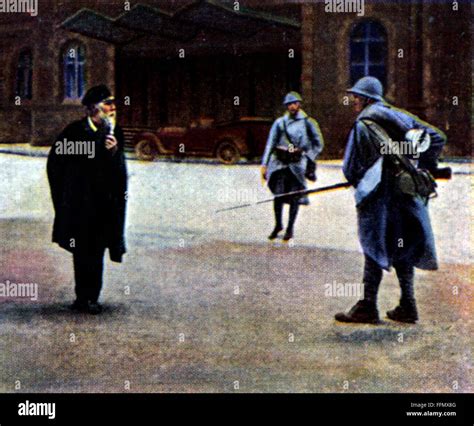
367,409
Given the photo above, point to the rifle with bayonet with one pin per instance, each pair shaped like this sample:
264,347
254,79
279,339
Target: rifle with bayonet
444,173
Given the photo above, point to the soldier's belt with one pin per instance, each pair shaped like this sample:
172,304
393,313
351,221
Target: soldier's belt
288,155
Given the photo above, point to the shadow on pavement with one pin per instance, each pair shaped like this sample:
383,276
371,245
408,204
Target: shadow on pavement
25,313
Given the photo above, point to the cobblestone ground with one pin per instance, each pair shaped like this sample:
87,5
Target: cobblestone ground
202,303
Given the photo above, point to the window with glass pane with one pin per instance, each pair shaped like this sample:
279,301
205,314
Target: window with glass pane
368,51
24,75
74,80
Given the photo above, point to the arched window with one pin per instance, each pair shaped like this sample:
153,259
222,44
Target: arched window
368,51
24,75
74,71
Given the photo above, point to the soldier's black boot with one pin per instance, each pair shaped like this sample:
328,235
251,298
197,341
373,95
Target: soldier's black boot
362,312
278,210
404,312
294,206
288,235
275,232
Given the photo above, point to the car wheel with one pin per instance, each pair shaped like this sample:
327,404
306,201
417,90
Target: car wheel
227,153
147,147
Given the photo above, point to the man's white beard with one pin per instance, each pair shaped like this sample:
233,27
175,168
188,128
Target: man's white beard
109,120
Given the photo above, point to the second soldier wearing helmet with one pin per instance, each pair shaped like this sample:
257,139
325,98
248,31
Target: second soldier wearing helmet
293,144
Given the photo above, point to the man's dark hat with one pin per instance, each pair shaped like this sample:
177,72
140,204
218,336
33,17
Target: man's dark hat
96,94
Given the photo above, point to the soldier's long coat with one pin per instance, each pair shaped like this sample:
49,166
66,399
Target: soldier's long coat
311,143
89,194
391,227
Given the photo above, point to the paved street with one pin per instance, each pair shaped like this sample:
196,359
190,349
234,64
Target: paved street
203,303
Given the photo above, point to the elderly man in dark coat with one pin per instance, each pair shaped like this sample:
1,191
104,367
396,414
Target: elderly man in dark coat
394,227
294,143
88,179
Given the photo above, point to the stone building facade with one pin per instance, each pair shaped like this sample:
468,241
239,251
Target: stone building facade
427,63
422,50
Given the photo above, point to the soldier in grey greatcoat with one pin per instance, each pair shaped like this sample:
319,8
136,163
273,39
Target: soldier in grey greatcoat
294,143
394,227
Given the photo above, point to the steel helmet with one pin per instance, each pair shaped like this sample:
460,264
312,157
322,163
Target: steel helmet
369,87
292,97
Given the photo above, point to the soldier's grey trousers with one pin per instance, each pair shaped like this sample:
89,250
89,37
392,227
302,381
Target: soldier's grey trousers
373,276
281,182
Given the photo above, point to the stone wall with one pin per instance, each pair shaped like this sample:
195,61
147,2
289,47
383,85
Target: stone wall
432,70
41,118
433,78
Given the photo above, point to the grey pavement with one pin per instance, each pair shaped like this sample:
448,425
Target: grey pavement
172,204
203,303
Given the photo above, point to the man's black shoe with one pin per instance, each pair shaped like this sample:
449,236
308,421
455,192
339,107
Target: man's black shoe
79,306
94,308
275,232
362,312
404,313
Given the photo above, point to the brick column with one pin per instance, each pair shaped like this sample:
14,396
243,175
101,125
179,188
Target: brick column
307,56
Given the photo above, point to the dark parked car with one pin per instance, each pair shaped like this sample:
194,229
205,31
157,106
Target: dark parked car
228,142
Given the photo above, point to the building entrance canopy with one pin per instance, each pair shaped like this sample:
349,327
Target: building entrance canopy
202,27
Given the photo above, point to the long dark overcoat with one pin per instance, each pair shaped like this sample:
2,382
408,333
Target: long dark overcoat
89,194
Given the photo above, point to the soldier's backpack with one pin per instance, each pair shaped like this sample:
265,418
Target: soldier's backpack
409,179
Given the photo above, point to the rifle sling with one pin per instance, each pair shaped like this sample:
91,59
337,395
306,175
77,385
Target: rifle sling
382,135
